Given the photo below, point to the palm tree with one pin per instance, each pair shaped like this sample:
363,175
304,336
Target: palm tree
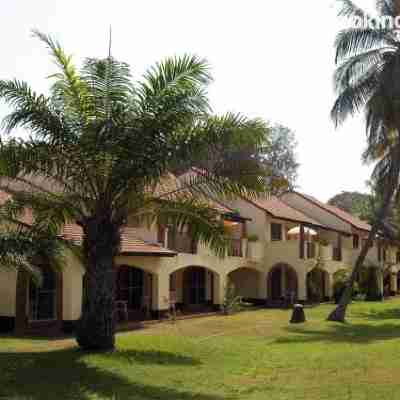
366,78
101,149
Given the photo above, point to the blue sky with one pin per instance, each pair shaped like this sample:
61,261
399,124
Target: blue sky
270,59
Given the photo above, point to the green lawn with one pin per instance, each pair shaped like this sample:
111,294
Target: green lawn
252,355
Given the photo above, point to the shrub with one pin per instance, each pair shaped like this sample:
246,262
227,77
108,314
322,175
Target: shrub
232,302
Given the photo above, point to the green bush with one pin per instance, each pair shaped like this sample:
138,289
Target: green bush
232,302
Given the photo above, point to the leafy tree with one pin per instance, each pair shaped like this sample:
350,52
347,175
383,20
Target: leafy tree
368,64
279,154
104,146
355,203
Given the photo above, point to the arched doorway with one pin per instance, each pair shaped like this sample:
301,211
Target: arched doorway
398,282
317,289
192,288
282,284
133,297
246,284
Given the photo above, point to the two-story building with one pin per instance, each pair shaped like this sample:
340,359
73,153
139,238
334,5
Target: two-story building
275,243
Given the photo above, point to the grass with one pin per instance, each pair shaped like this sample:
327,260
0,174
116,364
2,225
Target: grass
252,355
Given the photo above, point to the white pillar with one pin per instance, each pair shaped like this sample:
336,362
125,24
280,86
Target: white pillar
262,285
220,282
302,284
160,300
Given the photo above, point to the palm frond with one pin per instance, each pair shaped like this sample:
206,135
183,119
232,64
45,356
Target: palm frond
386,8
353,41
348,8
353,98
201,222
31,111
176,73
68,85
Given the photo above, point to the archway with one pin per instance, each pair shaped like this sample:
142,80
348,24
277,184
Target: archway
398,282
317,290
282,284
192,288
133,293
246,282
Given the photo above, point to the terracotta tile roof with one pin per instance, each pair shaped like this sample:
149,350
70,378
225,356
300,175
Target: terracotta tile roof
280,210
343,215
131,244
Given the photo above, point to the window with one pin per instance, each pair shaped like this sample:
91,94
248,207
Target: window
42,298
356,241
130,286
276,232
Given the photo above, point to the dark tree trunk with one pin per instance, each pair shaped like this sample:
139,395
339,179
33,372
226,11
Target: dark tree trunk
96,326
339,313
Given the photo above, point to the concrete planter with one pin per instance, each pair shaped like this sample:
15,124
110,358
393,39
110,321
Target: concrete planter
244,247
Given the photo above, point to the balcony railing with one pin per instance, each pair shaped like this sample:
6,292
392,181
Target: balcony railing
235,248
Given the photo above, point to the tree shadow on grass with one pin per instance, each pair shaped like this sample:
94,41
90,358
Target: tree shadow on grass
378,315
71,374
151,357
342,333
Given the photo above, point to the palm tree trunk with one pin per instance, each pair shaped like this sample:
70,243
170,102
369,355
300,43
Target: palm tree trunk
96,327
339,313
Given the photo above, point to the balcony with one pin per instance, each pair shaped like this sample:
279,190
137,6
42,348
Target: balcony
235,248
181,243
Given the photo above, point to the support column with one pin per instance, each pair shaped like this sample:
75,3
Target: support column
220,282
262,285
302,285
160,298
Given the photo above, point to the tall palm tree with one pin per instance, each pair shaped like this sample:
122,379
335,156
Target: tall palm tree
101,149
366,79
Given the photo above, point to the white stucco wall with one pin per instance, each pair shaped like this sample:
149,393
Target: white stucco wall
72,273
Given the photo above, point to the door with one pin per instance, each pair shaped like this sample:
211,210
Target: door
194,284
276,284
